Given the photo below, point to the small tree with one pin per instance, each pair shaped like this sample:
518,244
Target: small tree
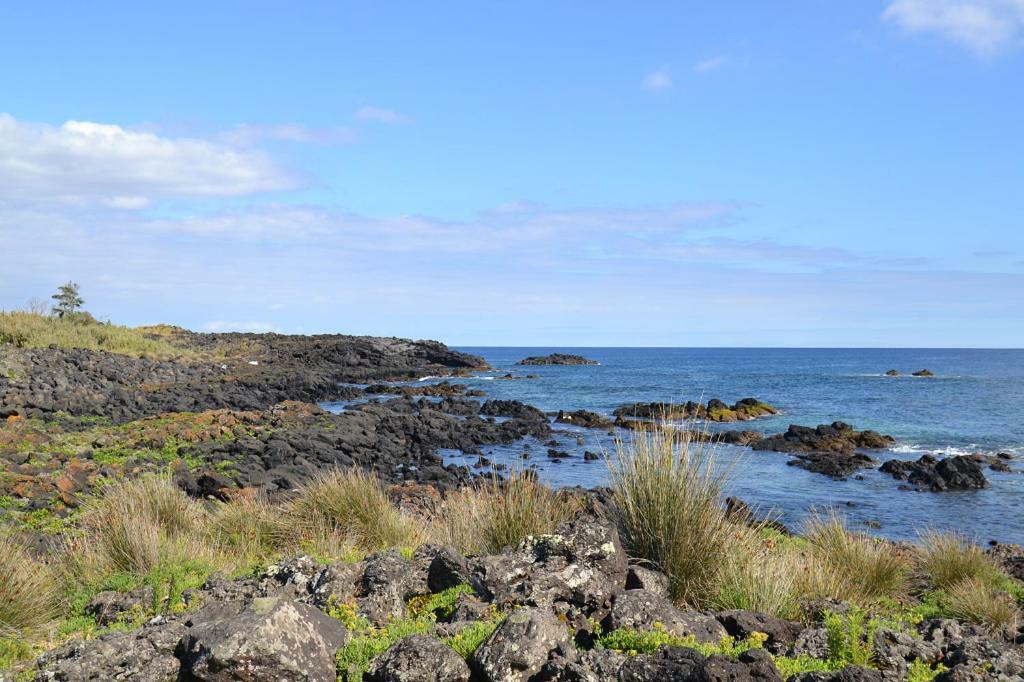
68,300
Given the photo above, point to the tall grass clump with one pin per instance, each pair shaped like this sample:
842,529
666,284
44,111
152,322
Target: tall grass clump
247,526
32,330
135,522
755,577
27,592
352,505
667,492
947,559
496,514
845,565
978,601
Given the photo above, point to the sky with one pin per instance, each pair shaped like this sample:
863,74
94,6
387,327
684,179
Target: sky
793,173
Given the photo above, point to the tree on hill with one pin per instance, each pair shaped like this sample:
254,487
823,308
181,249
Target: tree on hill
68,300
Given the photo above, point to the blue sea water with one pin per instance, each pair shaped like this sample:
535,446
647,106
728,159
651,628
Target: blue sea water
975,403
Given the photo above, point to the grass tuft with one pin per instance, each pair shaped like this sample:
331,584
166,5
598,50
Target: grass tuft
498,514
951,558
977,601
353,506
848,566
667,492
27,592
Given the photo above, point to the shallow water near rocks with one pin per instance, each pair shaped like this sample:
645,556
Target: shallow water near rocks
973,404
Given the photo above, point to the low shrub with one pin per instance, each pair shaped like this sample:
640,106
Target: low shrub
31,330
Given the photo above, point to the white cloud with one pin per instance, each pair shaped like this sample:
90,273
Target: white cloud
83,162
705,65
658,80
982,26
380,115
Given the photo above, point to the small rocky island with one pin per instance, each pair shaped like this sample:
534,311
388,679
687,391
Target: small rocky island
557,359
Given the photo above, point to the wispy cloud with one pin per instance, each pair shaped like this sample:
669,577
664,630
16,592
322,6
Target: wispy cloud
247,134
381,115
711,64
982,26
229,326
85,162
658,80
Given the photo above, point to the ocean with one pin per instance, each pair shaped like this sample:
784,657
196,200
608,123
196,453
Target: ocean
975,403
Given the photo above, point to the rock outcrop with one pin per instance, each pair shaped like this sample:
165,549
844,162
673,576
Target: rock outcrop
557,359
929,473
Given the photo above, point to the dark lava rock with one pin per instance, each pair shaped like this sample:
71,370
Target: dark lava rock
838,465
676,664
851,673
641,609
264,640
145,654
937,475
447,569
714,410
520,646
262,370
741,624
419,658
557,359
640,578
582,563
834,437
584,418
110,607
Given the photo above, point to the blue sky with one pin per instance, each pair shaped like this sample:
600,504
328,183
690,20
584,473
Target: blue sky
744,173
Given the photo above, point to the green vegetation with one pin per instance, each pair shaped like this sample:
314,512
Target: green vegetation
491,516
370,641
27,600
352,505
667,492
30,330
68,299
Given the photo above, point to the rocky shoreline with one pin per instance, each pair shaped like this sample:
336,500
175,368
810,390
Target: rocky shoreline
240,418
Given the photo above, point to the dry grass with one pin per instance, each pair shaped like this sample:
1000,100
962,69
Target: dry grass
30,330
951,558
247,526
978,601
498,514
755,577
847,566
27,592
353,506
135,524
667,491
